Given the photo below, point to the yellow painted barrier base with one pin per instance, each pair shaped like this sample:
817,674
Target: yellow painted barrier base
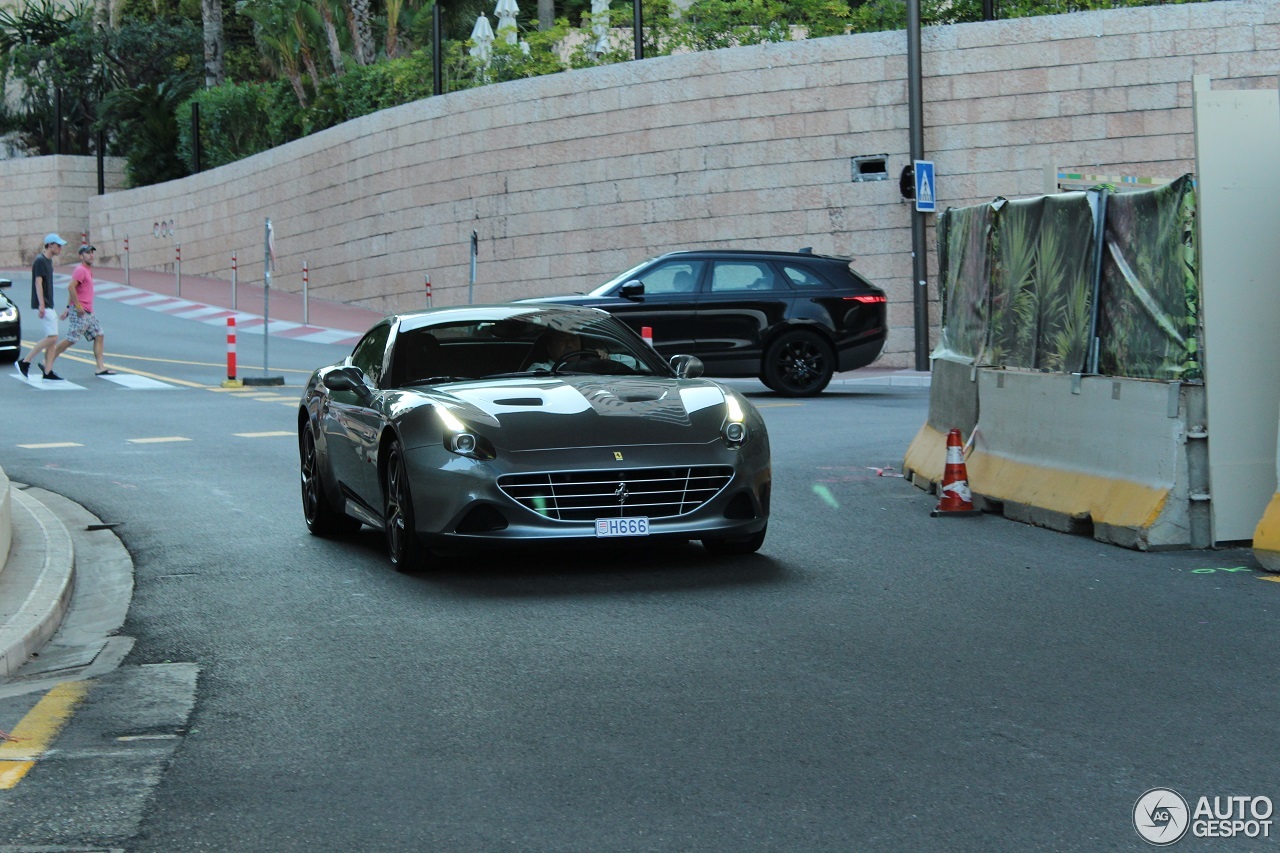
926,457
1119,511
1266,538
1105,500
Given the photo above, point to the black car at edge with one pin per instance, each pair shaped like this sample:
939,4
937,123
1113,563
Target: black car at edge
790,318
10,327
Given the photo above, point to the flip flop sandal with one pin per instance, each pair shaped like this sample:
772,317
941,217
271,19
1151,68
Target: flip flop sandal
107,372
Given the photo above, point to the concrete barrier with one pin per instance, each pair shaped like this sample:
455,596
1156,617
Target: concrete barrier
1122,460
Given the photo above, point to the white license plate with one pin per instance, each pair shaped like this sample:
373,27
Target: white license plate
634,526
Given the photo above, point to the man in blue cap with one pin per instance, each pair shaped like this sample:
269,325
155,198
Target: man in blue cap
42,301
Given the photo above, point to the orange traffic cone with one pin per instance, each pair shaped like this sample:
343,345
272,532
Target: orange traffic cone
956,497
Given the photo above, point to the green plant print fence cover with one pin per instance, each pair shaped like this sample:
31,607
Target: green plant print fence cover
1149,317
1016,283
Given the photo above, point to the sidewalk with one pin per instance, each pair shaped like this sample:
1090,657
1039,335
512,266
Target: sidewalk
210,300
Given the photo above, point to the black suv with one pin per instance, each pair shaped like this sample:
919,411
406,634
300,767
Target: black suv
790,318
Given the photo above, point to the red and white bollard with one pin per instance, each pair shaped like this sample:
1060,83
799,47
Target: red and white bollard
233,281
231,382
305,300
428,281
177,267
646,332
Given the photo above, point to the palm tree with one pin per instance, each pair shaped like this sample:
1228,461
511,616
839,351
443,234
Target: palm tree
282,40
327,10
214,44
360,17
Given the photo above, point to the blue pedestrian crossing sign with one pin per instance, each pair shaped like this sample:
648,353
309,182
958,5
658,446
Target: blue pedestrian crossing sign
926,188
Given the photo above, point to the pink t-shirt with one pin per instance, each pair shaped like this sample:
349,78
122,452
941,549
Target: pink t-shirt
82,278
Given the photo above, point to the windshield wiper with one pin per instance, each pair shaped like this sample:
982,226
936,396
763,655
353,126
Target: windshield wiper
435,380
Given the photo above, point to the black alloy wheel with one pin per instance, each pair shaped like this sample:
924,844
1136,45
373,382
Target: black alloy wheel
734,547
403,544
321,517
799,363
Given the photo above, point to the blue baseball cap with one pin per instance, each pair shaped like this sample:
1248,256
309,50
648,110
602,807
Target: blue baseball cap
54,238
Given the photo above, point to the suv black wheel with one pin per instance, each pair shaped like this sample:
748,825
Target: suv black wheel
799,363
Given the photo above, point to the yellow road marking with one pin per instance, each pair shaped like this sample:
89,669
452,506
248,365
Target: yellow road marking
37,729
275,434
157,440
50,445
1272,578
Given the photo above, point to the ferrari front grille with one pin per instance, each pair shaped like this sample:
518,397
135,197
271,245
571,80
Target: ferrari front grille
588,495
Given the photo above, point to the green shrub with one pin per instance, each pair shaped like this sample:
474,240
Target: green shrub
235,121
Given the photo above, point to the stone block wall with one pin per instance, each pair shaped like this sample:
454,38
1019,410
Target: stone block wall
43,194
572,178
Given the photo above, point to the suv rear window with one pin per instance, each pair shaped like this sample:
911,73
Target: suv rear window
803,279
743,277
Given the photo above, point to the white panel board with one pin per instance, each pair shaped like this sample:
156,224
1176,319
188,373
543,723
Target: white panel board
1238,177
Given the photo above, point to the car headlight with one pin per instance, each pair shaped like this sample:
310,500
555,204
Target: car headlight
461,440
734,430
8,315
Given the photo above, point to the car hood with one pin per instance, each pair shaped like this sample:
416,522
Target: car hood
588,411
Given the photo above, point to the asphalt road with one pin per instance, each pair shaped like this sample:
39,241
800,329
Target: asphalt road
874,679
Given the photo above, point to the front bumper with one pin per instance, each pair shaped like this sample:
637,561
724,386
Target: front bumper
457,501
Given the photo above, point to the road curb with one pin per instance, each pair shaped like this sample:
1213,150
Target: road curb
37,582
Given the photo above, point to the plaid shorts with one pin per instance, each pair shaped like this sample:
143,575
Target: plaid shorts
83,324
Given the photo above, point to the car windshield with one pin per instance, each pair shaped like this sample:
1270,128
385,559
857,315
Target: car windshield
529,344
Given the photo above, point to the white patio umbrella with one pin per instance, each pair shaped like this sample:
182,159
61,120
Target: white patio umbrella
600,25
482,40
506,10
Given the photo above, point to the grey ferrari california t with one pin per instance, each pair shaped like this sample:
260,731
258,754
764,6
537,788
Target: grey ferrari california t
505,424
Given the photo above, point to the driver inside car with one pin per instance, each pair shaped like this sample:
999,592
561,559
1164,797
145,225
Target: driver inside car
560,344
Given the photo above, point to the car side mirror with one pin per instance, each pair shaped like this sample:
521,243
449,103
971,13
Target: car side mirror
349,379
633,289
4,282
686,366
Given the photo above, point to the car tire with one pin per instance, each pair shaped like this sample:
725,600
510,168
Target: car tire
403,544
323,519
734,547
799,363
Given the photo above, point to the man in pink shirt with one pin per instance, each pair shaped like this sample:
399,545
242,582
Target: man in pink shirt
80,313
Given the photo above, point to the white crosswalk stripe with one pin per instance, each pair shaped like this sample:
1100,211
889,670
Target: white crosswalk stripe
139,383
40,384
